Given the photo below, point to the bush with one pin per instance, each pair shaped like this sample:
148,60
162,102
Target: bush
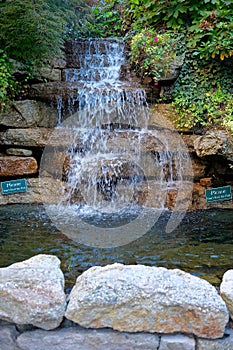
30,31
208,23
152,54
104,20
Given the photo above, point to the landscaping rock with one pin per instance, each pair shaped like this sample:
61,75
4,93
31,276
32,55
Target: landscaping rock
177,342
226,289
14,166
19,152
37,137
226,343
43,190
8,335
32,292
150,299
28,114
50,73
83,339
214,143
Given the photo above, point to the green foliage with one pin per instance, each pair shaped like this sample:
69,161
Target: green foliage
208,22
105,20
153,53
77,14
8,86
203,93
34,30
212,34
30,30
32,33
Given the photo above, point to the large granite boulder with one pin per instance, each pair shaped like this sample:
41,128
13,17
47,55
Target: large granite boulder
226,289
32,292
150,299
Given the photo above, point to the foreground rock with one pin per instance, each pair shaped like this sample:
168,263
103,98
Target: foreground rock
32,292
8,336
82,339
226,290
178,341
225,343
141,298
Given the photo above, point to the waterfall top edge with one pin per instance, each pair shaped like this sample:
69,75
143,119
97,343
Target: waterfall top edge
97,39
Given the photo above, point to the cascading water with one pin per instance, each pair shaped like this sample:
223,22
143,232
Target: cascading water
116,164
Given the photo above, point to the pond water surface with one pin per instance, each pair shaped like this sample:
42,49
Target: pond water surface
202,244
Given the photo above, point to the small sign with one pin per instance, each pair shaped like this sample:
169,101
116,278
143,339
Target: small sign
14,186
218,194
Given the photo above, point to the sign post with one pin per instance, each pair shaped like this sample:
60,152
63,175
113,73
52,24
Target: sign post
218,194
14,186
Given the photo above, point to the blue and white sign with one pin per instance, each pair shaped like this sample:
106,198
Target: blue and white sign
14,186
218,194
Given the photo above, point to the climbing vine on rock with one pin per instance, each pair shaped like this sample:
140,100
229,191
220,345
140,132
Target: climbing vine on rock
203,93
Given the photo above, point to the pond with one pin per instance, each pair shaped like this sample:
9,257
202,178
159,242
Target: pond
201,245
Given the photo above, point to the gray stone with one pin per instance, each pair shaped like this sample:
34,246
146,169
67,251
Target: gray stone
82,339
52,74
226,343
177,342
8,335
19,152
51,91
217,142
226,290
37,137
32,292
58,62
29,113
150,299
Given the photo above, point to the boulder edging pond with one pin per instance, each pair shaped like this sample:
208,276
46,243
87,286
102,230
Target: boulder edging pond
112,307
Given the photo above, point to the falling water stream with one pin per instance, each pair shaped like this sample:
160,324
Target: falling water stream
119,174
116,163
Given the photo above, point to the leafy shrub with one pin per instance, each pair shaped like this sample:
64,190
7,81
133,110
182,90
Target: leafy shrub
30,30
105,20
208,23
152,54
211,34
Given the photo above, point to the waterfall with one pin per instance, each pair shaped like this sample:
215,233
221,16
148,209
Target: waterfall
117,164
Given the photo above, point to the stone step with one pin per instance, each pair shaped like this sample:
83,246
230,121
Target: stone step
73,90
86,61
93,46
91,74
